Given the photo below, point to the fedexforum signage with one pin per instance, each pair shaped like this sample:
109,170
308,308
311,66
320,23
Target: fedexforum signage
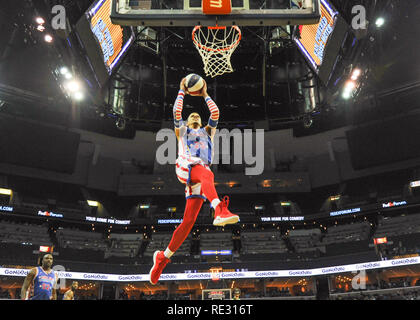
394,204
342,212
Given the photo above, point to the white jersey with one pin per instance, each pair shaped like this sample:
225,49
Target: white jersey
194,147
195,143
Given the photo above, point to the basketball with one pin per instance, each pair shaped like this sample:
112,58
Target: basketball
194,83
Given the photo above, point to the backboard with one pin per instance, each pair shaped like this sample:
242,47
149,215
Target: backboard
173,13
216,294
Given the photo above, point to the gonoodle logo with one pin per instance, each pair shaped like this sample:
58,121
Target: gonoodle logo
368,266
232,275
335,269
405,261
198,276
300,273
132,278
168,276
66,275
95,276
266,274
16,272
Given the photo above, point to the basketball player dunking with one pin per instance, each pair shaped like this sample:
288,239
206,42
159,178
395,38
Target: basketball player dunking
43,279
195,152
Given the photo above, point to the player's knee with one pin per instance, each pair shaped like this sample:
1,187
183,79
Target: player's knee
208,175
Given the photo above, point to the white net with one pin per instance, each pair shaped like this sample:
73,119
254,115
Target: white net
216,45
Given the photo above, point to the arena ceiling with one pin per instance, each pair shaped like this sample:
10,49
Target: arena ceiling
264,86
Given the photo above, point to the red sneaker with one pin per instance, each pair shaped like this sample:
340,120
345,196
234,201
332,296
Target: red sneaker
159,263
222,215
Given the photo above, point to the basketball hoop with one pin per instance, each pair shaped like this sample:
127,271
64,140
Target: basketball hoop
216,45
215,274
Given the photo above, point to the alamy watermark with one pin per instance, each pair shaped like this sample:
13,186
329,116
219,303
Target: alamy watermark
58,21
359,20
61,282
242,153
359,280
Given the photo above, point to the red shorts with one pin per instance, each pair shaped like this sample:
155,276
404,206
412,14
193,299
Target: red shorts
183,166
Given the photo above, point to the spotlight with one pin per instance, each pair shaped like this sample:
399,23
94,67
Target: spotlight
350,85
380,22
356,74
48,38
348,89
40,20
346,94
5,191
64,70
73,86
92,203
78,96
40,28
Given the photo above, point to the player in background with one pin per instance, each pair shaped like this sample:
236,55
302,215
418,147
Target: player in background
43,280
69,295
195,155
236,294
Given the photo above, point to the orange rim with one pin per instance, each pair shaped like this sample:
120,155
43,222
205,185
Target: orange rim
217,27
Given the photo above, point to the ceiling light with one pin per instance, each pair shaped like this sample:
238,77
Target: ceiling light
380,22
5,191
346,95
48,38
73,86
93,203
40,20
356,74
64,70
350,85
79,96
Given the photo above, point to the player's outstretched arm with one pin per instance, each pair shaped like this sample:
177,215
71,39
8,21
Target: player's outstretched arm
27,282
214,112
54,290
178,106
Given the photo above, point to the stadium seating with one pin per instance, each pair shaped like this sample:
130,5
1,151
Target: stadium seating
306,240
159,241
216,241
124,245
398,226
77,239
262,242
30,234
11,253
347,233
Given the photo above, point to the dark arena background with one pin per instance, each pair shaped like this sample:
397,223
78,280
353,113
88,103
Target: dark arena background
333,214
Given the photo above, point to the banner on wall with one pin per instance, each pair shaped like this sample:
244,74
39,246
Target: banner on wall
224,275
